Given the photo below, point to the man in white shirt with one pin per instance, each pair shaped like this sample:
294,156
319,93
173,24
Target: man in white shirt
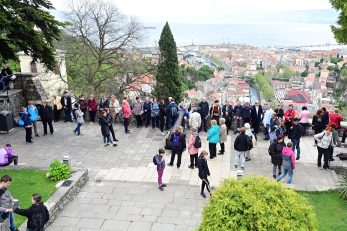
266,119
195,120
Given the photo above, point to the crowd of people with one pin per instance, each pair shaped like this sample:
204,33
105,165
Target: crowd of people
217,120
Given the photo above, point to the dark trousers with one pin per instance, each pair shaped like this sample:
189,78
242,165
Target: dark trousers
344,135
56,114
246,120
213,150
331,152
179,156
49,122
203,124
92,115
68,115
126,124
255,126
325,153
11,159
112,132
222,148
206,183
305,126
147,117
28,133
266,131
162,123
228,124
84,113
155,122
194,160
216,118
138,120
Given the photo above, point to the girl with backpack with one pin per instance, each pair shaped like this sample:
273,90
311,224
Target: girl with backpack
213,138
159,161
193,147
204,172
288,163
275,151
178,141
222,135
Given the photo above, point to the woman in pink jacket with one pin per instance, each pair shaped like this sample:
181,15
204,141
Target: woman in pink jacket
304,114
192,150
126,115
288,163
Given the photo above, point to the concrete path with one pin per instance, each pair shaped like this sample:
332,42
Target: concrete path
122,193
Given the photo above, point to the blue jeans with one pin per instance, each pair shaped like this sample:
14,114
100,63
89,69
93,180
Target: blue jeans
107,139
11,217
296,145
284,173
78,129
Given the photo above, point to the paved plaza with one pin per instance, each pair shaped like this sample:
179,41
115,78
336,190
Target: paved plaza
122,193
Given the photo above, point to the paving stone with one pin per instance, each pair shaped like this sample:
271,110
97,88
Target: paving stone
143,226
115,225
90,223
161,227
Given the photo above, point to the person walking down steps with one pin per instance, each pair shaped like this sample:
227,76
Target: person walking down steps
159,161
204,172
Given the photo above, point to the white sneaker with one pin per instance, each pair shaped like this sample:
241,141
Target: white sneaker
163,134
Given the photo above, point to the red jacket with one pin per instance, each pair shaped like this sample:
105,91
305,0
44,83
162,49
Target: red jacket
126,111
92,105
289,115
336,119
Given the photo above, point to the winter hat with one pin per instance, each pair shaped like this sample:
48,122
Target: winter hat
247,126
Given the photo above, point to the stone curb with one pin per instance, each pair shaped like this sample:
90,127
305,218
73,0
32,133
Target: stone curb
56,203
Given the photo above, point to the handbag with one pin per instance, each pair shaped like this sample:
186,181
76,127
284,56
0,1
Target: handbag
20,122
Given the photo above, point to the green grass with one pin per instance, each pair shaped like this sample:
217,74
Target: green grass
330,209
25,183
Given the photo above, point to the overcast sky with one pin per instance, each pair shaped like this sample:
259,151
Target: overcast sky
223,11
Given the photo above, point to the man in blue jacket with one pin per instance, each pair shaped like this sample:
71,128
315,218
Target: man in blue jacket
172,112
34,115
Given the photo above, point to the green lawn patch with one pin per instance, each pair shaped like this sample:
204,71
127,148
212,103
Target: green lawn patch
330,209
25,183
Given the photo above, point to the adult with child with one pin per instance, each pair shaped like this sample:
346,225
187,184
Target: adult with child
92,107
213,138
105,129
37,214
27,124
34,115
324,140
178,145
79,119
296,133
7,156
222,135
288,157
7,201
241,145
204,172
46,114
193,148
275,151
159,161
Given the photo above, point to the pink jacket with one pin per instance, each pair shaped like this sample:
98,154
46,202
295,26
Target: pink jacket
289,153
126,111
191,149
304,116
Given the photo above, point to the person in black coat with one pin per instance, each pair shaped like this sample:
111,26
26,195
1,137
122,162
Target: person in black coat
37,214
46,114
317,123
246,112
275,151
227,113
178,141
325,117
204,172
104,103
241,144
105,128
279,111
257,117
147,111
204,110
67,106
237,117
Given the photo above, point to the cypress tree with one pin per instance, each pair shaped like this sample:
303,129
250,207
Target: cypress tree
168,83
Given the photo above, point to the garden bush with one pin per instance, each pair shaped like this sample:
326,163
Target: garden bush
257,203
58,171
342,187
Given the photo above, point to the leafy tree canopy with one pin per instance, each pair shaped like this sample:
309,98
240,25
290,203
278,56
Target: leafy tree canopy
28,26
340,31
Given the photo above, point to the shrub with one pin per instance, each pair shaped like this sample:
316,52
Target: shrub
257,203
342,187
59,171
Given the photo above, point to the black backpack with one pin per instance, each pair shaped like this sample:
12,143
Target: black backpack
38,219
197,143
249,143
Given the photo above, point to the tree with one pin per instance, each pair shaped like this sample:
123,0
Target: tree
340,31
100,44
168,81
28,26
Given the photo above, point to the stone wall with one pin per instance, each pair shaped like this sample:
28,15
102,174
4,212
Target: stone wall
31,85
13,103
64,195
